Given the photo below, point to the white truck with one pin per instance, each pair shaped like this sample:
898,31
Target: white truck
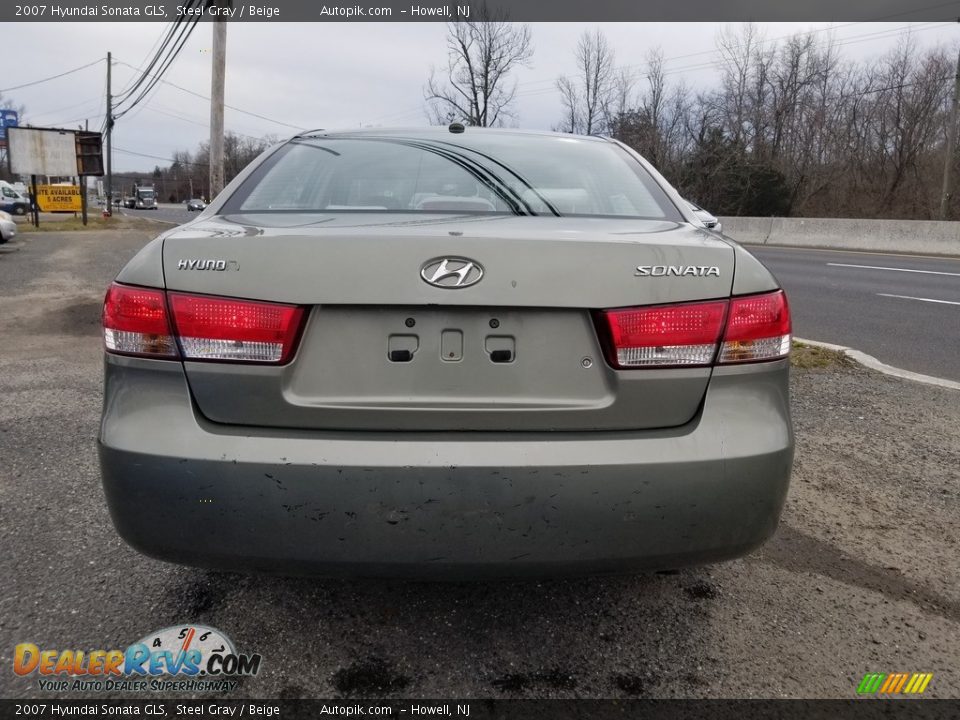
13,200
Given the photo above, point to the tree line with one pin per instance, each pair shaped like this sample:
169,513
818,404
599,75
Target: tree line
188,174
791,127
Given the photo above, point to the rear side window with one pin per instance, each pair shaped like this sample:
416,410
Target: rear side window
479,174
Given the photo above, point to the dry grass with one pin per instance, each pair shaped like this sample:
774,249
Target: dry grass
811,357
95,222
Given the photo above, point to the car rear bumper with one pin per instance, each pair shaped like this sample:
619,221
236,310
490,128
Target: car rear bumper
443,504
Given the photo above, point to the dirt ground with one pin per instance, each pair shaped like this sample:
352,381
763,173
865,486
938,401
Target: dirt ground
862,576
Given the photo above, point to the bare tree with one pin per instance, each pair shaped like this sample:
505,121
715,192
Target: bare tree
569,95
481,53
620,96
588,99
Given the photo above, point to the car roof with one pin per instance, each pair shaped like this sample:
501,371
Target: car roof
441,131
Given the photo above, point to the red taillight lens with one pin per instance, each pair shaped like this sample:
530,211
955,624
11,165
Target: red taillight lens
664,335
687,334
135,322
215,328
758,328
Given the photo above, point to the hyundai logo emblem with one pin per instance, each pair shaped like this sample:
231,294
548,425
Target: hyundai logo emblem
451,272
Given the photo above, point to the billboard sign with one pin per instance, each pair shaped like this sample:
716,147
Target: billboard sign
89,153
42,151
59,198
8,118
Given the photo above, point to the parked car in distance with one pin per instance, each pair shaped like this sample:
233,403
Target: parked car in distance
196,204
707,218
8,228
446,352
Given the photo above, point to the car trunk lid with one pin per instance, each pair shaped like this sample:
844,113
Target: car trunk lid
382,349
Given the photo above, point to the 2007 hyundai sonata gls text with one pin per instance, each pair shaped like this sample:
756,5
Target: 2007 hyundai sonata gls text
446,352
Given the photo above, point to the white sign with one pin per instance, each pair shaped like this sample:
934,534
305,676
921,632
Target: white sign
34,151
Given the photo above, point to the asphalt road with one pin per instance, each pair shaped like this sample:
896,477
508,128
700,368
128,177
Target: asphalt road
903,310
165,212
862,576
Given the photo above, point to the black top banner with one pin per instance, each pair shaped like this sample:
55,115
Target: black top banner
453,10
221,707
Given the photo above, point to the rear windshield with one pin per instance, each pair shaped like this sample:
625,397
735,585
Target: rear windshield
483,174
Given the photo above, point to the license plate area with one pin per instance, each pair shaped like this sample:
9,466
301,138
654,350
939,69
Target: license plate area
468,357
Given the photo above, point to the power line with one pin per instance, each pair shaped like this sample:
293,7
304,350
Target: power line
761,41
82,103
232,107
179,42
851,40
134,84
146,57
158,157
198,123
175,28
52,77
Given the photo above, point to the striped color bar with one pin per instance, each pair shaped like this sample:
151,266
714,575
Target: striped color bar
894,683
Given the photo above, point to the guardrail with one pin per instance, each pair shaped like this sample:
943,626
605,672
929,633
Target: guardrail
927,237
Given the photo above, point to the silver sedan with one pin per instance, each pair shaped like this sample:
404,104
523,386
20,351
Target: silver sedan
446,352
8,228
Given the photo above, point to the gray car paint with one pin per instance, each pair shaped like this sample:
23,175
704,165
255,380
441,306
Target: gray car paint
341,376
447,505
707,484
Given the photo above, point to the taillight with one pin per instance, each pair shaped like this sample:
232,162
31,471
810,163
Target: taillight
137,321
758,328
216,328
753,328
685,334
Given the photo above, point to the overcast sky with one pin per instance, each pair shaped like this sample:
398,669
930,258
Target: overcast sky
336,75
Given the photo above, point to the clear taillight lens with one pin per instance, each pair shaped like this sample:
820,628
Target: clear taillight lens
753,328
148,322
135,322
215,328
758,328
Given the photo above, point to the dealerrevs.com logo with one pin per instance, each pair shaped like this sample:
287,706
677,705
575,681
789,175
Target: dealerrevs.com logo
179,658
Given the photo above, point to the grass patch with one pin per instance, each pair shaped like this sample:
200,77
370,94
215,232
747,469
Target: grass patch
811,357
95,222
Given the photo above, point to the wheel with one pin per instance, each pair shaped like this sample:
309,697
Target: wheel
19,209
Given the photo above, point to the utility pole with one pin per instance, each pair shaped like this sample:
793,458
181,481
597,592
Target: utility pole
82,179
216,107
108,208
951,146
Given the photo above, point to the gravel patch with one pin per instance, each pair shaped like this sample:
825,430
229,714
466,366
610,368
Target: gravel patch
862,576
